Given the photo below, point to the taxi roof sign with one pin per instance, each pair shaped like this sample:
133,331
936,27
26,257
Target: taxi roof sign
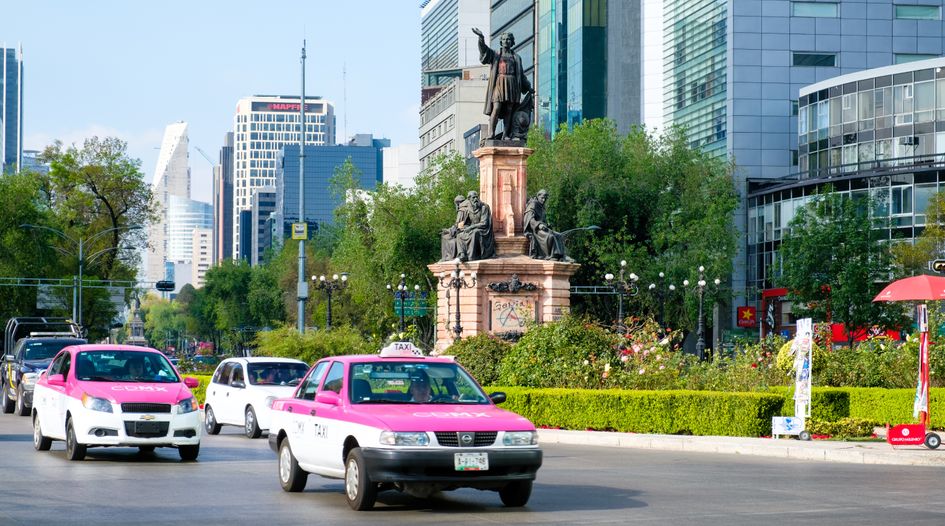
401,350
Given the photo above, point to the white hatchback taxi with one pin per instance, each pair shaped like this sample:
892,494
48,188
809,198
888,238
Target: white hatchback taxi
242,390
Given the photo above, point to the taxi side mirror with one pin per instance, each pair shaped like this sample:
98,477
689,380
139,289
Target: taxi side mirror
238,384
191,382
57,379
9,358
498,397
328,397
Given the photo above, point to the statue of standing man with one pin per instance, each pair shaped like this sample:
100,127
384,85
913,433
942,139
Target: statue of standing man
507,83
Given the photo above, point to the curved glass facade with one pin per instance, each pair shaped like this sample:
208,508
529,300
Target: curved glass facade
890,115
878,133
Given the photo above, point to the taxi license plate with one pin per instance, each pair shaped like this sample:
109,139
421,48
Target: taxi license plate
471,461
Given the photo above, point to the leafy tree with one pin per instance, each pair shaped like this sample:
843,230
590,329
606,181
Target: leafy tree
661,205
394,231
834,262
164,321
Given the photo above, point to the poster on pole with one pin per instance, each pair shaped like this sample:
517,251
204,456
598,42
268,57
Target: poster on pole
802,348
920,403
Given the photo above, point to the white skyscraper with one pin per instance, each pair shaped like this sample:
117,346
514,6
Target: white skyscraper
171,178
262,126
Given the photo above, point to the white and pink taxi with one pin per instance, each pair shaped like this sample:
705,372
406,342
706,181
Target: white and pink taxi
401,421
115,395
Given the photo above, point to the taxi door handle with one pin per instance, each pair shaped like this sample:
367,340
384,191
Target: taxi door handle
312,412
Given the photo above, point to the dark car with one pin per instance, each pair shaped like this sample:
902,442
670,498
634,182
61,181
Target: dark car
29,357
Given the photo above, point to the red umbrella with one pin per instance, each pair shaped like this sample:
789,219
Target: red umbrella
916,288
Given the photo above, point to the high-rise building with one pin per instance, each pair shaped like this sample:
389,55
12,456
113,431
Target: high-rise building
589,62
734,71
447,43
401,165
446,116
171,178
875,134
262,126
263,204
651,19
516,17
223,202
202,251
183,216
11,109
31,162
365,153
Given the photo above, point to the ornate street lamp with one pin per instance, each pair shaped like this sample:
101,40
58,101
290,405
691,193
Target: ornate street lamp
622,287
700,330
329,286
400,292
456,280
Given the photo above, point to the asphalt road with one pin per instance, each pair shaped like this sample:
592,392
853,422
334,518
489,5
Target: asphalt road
234,482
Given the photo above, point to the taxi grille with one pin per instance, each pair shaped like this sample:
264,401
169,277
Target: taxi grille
146,429
472,439
139,407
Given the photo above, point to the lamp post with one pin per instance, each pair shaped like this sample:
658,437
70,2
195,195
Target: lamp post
621,287
401,292
80,244
456,280
329,286
700,330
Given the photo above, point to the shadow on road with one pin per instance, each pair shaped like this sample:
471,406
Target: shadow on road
16,438
545,498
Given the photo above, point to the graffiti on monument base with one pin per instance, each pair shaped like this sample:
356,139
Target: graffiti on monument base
511,314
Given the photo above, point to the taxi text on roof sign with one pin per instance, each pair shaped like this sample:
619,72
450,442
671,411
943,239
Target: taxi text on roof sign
401,350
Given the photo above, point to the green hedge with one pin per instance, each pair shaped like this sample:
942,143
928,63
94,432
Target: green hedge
892,406
663,412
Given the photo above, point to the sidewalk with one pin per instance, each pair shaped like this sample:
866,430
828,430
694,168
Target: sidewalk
821,450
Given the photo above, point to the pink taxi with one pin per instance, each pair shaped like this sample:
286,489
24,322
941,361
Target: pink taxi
401,421
115,395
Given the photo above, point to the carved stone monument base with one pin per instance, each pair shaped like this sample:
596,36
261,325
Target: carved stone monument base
498,303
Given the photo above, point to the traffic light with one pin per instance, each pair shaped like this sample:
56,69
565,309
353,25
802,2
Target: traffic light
164,286
938,265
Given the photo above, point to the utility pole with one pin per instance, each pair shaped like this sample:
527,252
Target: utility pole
302,283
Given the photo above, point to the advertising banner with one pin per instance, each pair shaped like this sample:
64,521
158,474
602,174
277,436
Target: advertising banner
801,349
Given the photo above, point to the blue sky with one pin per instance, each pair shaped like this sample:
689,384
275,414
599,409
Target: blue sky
129,68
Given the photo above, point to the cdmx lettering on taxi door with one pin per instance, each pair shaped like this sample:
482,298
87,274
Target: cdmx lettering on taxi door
321,430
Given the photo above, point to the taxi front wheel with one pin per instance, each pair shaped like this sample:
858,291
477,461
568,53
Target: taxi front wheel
188,452
74,450
291,476
40,442
360,492
516,494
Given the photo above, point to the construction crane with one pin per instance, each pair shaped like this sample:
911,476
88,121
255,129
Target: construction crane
205,156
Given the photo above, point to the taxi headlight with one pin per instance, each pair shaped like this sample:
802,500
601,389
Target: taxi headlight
29,380
394,438
187,406
520,438
96,404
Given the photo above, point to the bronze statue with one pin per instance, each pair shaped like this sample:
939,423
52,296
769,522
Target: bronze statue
507,83
474,237
449,248
545,243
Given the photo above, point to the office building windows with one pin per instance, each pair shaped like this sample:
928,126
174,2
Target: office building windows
902,58
918,12
815,59
815,9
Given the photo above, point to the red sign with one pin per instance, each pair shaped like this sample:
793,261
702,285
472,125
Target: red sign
747,317
906,435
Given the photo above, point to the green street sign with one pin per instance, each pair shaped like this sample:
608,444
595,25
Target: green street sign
412,307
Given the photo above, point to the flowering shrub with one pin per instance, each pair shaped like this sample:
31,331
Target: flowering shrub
481,356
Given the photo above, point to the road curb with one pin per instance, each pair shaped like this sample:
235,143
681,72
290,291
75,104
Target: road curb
817,450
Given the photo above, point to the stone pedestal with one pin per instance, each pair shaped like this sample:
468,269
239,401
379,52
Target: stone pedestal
496,302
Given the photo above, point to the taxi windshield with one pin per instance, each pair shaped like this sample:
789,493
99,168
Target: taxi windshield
396,382
124,366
